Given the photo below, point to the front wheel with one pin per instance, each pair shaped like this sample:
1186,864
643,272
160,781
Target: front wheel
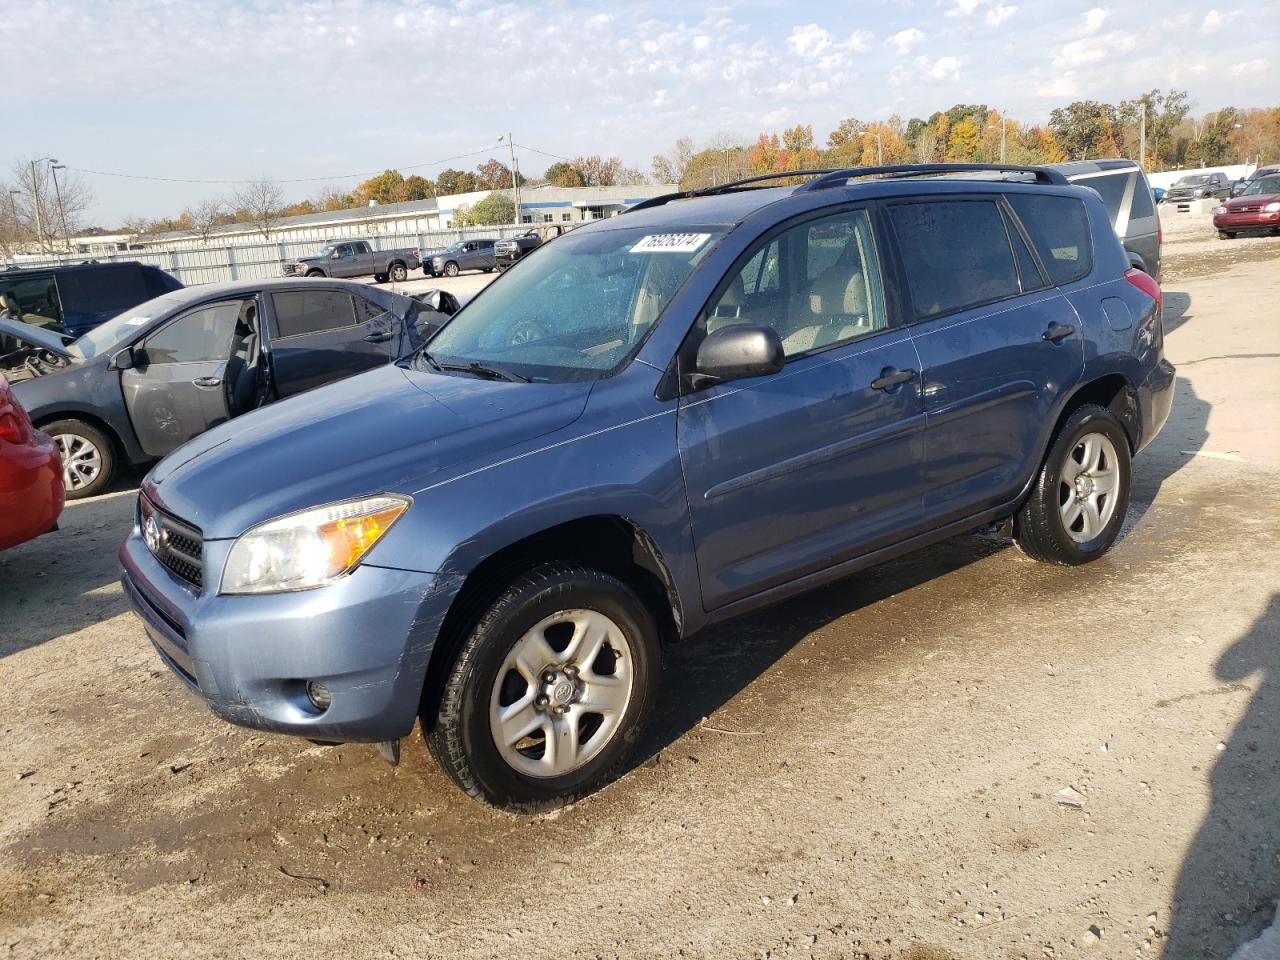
379,278
88,457
398,273
1226,235
315,273
450,269
1079,500
550,690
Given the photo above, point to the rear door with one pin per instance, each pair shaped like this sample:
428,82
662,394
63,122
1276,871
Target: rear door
997,341
177,389
319,334
794,472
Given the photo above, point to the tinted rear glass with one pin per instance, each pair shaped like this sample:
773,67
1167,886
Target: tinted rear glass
1059,228
1112,188
956,254
311,311
1143,205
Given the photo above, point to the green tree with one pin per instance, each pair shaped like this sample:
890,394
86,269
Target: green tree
384,188
496,208
1085,129
417,188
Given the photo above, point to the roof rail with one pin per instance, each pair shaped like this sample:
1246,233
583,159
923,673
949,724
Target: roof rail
729,187
838,178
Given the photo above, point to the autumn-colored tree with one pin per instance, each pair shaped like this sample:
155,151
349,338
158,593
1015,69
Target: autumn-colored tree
205,216
670,167
259,203
1257,139
330,198
723,160
766,155
456,181
493,175
963,141
597,171
384,188
416,188
301,208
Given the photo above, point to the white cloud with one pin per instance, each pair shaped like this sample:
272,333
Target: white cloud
906,40
1079,53
1000,13
1212,22
809,40
962,8
1060,86
1249,68
1095,18
945,68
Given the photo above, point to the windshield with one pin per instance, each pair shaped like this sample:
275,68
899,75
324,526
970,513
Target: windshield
326,250
575,309
1192,181
1265,185
108,336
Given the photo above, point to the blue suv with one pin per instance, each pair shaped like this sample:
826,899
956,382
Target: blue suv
657,422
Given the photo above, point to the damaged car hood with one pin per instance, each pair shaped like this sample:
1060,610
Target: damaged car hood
38,337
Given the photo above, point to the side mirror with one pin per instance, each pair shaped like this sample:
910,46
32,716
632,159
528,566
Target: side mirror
738,352
441,301
335,255
124,360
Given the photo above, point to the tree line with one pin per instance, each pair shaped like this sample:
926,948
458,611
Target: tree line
37,213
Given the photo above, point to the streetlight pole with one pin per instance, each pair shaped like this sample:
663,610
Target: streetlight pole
1142,137
35,197
62,212
1003,127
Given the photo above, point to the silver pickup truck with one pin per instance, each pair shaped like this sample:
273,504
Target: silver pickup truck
356,258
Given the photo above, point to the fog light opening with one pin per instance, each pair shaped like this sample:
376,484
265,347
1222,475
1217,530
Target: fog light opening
319,696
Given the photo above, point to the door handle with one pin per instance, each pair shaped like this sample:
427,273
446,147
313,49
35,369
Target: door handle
890,378
207,382
1058,331
379,337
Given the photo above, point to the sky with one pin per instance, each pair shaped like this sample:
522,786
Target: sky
337,91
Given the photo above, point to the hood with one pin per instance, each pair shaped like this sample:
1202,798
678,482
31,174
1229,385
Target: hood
37,336
384,431
1255,201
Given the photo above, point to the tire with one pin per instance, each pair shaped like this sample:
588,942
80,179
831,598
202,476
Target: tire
315,273
1226,235
450,269
379,278
88,457
1089,452
539,616
398,273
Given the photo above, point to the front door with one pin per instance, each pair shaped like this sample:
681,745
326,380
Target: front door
176,389
790,473
998,343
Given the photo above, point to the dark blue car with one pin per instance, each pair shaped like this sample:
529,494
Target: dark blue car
74,299
658,421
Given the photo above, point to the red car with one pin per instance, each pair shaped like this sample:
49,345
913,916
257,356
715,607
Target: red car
31,490
1258,208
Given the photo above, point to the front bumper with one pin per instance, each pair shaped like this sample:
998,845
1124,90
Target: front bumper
1250,220
367,637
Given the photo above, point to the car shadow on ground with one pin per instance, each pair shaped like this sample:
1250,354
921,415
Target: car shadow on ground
1230,878
52,585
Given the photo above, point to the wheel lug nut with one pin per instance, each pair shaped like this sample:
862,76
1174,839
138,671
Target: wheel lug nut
548,677
542,700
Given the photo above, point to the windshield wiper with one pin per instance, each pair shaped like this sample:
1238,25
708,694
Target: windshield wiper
475,367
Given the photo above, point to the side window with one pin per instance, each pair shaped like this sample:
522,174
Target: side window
201,336
956,254
1142,206
1028,272
367,310
1112,188
1059,228
38,298
817,284
311,311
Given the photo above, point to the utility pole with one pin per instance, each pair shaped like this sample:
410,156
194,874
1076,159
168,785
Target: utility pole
62,211
1003,125
1142,138
515,176
35,198
879,151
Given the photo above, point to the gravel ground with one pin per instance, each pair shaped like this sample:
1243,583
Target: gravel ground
873,770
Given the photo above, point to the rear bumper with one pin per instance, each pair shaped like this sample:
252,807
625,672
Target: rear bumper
1155,400
31,491
367,638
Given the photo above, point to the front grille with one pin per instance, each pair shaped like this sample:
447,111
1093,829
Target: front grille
179,546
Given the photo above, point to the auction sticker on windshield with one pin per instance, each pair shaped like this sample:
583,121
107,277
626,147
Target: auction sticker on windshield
671,243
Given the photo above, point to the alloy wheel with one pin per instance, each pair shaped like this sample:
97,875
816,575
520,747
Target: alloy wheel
1088,484
81,460
561,693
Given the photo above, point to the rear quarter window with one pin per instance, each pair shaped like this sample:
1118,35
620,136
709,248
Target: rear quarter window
1059,228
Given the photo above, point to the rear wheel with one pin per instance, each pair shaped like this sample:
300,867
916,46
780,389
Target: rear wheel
450,269
379,278
1226,235
398,273
88,457
550,690
1079,500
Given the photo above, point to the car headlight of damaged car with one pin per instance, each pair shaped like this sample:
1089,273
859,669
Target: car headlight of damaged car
311,548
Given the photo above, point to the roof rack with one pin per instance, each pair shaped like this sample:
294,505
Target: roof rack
838,178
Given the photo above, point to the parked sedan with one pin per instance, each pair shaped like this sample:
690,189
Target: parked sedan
145,382
1258,208
31,491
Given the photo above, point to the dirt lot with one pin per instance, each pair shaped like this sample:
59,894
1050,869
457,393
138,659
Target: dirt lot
866,771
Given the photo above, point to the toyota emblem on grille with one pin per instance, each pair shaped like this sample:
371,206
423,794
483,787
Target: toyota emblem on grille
153,535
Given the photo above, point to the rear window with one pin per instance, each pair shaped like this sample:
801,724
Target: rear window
311,311
956,254
1059,228
1112,188
1143,203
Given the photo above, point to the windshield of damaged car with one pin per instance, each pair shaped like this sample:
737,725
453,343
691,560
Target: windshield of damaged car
115,332
1263,186
576,309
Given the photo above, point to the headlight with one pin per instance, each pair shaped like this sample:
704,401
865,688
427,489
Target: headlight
311,548
1273,207
1218,211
